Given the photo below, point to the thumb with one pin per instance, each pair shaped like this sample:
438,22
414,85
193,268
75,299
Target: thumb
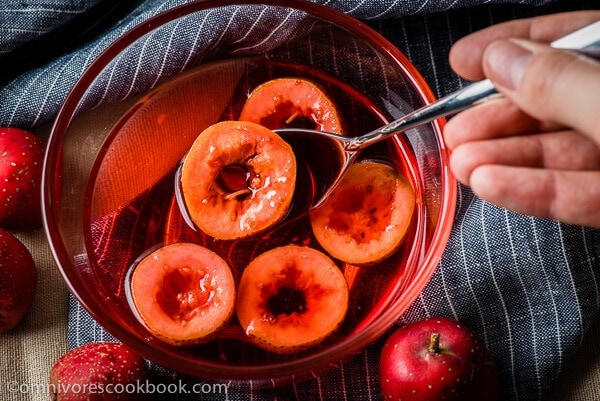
549,84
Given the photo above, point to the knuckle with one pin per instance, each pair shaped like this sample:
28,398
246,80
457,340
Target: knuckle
561,87
544,81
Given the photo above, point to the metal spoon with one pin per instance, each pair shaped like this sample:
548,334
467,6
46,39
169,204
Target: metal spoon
344,150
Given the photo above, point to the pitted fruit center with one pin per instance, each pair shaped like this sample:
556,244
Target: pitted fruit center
361,212
289,293
286,301
184,292
235,180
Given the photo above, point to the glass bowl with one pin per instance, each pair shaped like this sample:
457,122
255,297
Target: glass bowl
109,191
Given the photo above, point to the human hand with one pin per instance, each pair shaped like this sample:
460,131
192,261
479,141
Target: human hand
537,150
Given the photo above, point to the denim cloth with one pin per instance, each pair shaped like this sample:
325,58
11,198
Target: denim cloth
528,287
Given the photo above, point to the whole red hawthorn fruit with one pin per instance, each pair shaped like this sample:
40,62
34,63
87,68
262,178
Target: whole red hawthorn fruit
18,280
436,359
21,162
102,371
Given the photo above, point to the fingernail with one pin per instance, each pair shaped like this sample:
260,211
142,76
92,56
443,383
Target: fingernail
506,62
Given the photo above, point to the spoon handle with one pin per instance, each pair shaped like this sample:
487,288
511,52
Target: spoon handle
585,40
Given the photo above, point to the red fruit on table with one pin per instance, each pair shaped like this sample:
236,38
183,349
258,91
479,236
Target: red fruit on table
18,280
436,359
103,371
21,161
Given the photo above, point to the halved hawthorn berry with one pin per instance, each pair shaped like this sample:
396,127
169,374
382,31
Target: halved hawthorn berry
291,298
291,103
237,179
367,216
183,293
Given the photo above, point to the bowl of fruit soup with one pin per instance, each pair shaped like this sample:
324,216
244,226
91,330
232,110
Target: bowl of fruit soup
184,223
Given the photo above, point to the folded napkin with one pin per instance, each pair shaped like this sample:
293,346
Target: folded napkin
528,287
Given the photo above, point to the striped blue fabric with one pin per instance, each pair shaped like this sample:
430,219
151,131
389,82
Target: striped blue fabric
24,21
528,287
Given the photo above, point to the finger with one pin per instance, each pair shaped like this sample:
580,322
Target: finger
546,83
571,197
494,119
466,54
565,150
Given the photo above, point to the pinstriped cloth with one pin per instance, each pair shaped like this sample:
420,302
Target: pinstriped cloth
24,21
21,96
528,287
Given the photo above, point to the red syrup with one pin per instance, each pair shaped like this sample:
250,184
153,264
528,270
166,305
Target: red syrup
129,226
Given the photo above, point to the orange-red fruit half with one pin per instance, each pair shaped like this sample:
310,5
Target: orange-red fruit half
238,179
291,103
291,298
183,293
367,216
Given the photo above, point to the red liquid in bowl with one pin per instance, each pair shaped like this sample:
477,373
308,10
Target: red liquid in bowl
134,206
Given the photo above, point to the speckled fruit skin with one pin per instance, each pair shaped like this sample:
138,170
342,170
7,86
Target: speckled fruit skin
18,280
461,369
97,372
21,162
